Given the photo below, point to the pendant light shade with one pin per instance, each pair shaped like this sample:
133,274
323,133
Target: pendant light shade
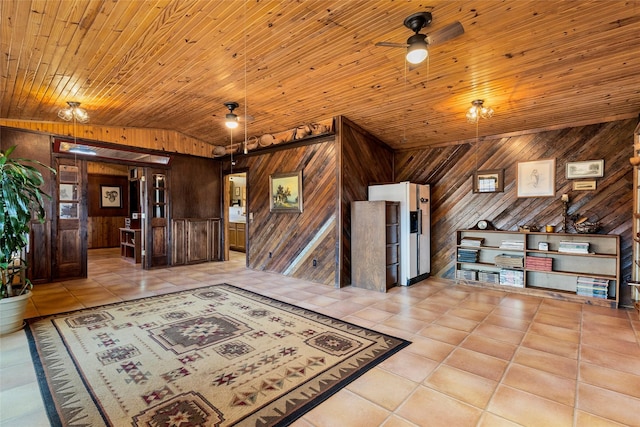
417,49
73,111
231,119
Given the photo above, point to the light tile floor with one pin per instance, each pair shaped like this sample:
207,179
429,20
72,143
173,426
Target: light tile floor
478,357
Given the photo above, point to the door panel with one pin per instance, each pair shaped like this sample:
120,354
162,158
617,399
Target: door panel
157,218
70,248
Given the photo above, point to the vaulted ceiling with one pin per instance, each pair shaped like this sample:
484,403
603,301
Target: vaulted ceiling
171,64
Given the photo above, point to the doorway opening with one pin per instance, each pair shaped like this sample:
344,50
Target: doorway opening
237,214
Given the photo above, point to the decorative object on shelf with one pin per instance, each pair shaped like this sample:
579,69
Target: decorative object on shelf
550,228
586,169
528,228
565,209
483,224
536,178
488,181
285,192
635,161
543,246
584,226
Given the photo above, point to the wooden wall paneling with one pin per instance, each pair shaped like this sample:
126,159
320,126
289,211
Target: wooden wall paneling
195,187
365,160
294,240
153,139
198,249
454,206
179,241
35,146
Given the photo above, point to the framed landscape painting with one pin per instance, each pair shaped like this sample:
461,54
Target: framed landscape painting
285,192
586,169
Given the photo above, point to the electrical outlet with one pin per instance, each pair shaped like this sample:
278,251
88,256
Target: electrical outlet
315,263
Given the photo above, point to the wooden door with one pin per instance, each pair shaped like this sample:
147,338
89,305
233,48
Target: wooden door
156,251
70,246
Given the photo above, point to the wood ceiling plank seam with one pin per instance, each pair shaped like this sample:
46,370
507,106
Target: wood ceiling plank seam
68,38
102,89
100,38
39,25
141,38
15,53
7,20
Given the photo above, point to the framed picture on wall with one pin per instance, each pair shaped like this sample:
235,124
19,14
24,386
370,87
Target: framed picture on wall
488,181
536,178
110,196
285,192
586,169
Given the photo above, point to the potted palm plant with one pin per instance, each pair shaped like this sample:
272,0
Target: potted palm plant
20,198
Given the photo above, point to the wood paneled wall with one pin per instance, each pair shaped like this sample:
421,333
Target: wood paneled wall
364,160
294,240
35,146
454,206
152,139
195,187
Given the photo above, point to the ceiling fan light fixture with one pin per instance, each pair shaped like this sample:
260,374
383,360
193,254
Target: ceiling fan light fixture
231,119
417,49
73,111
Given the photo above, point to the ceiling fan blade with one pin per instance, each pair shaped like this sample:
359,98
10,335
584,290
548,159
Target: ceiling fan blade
445,34
391,44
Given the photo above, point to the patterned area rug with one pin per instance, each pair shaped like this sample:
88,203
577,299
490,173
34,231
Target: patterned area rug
213,356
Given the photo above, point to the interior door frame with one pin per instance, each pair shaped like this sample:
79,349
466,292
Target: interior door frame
226,201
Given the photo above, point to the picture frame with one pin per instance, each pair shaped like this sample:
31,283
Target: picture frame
285,192
488,181
585,169
584,185
68,211
536,178
68,192
110,196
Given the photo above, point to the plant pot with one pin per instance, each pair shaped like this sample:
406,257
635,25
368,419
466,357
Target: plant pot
12,313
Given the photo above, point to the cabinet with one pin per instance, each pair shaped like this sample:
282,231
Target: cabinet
375,244
237,236
576,267
130,248
196,240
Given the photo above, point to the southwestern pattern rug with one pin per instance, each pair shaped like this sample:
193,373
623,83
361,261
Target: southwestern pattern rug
213,356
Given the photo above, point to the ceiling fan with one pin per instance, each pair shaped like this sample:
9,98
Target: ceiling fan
231,119
417,44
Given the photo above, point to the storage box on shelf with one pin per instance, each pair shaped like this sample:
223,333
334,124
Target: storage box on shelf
576,267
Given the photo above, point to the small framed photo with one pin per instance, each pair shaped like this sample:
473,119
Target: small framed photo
488,181
285,192
584,185
68,210
536,178
110,196
586,169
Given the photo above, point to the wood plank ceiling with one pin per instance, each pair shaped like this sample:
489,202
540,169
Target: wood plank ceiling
171,64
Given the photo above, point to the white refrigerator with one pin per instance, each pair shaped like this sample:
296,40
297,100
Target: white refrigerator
415,227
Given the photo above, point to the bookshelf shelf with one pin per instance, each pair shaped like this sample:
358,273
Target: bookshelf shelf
592,277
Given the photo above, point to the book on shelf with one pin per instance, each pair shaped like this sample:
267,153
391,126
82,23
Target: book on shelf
512,244
489,276
539,263
509,261
468,255
592,287
512,277
472,241
573,247
467,274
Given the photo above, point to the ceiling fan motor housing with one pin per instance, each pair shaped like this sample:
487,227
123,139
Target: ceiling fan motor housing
417,21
